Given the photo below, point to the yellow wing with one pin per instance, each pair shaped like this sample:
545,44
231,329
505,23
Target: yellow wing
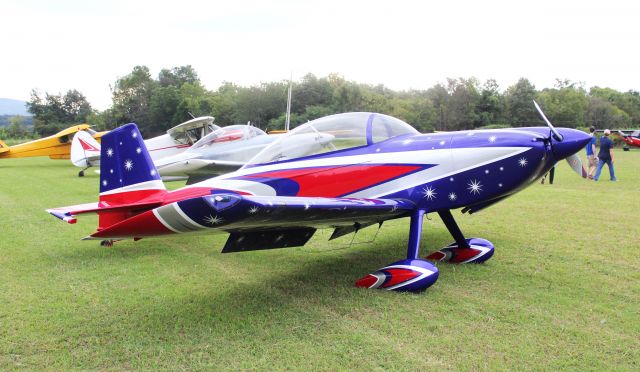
57,146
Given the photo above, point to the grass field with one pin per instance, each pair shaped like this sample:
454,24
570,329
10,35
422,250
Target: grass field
561,292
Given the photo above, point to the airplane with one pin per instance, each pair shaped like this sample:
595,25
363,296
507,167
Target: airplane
57,146
364,169
630,137
85,152
224,150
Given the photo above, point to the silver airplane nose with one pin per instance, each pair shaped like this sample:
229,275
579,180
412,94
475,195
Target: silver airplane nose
573,141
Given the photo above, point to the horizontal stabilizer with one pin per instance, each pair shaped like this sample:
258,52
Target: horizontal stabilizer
242,241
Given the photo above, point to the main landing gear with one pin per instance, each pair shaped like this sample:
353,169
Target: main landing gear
414,274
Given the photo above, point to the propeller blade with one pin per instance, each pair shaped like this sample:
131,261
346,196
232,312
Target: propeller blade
552,173
576,164
556,135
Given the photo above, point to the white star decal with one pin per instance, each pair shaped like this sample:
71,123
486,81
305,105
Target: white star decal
134,134
474,187
442,143
453,196
128,165
486,171
492,139
522,162
429,193
213,220
109,152
451,179
253,210
111,171
138,150
153,172
104,182
407,141
499,185
501,169
306,206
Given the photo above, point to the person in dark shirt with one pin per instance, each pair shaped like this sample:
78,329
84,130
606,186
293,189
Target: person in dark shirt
605,156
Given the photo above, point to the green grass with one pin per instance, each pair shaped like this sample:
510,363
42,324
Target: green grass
562,291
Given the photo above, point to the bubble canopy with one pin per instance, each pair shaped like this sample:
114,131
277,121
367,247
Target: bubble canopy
232,133
333,133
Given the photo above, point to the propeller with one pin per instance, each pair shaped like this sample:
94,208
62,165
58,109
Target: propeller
554,132
574,160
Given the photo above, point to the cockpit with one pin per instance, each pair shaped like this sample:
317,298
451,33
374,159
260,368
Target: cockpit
231,133
333,133
191,131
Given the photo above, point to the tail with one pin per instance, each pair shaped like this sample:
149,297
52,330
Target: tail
3,147
128,176
85,150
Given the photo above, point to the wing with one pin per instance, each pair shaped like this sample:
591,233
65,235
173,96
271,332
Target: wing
56,146
259,222
211,168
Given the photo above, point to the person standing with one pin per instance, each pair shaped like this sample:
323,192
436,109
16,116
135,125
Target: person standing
591,153
605,156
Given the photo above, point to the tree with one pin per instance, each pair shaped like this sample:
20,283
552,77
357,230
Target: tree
131,97
56,112
519,103
16,127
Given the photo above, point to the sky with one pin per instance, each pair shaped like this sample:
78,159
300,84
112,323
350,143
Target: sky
54,46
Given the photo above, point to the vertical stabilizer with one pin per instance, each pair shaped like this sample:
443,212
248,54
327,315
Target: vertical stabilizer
127,173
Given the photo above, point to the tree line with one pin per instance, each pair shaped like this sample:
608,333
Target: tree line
158,103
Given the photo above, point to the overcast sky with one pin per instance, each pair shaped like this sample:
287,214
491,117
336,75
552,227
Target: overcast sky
54,46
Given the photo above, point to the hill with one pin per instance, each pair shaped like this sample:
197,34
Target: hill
12,107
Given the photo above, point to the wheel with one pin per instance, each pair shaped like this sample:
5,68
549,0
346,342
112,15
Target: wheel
81,174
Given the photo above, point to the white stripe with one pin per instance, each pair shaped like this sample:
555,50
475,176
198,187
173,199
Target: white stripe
147,185
465,159
162,221
484,251
187,218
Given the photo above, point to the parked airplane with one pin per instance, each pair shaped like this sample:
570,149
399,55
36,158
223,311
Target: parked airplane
85,152
57,146
224,150
365,169
630,137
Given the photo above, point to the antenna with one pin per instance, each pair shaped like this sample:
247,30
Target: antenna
288,117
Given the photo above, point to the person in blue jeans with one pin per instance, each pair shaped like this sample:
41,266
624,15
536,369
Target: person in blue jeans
605,156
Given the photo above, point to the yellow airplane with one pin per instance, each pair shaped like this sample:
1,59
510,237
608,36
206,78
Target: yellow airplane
57,146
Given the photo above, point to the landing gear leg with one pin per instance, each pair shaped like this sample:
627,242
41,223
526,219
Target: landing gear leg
473,250
409,275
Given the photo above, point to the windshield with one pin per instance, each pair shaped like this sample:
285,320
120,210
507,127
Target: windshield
231,133
333,133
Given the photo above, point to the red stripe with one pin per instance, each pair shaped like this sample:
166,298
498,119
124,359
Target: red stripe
144,224
130,197
87,146
338,180
399,276
171,147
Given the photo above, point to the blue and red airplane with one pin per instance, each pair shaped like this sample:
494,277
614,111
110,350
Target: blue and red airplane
344,172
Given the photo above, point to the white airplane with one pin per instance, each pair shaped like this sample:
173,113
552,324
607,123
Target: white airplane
221,151
85,150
